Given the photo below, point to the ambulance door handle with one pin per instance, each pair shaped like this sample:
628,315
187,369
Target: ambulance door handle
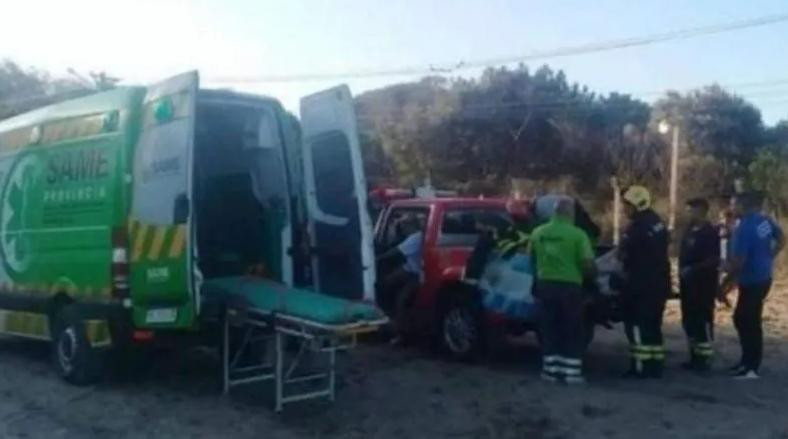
181,209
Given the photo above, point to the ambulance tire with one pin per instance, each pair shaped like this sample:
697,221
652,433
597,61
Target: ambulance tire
75,360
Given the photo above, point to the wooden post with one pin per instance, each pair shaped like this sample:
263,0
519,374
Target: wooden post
674,177
616,210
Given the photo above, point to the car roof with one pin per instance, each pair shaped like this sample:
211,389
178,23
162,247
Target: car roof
450,202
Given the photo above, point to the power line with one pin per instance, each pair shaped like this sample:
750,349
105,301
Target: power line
680,34
764,96
588,100
729,86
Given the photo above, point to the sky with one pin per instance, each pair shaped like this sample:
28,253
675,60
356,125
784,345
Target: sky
144,41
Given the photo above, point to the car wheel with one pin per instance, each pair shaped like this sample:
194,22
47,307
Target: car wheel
461,331
74,358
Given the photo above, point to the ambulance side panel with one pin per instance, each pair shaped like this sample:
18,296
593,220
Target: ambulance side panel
63,192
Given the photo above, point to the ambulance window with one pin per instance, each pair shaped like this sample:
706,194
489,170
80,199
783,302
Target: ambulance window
160,177
334,179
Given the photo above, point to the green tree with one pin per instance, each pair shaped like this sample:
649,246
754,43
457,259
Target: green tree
769,173
716,123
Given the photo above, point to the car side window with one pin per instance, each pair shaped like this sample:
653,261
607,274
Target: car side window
460,226
393,232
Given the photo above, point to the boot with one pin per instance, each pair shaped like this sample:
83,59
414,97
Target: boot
633,372
653,369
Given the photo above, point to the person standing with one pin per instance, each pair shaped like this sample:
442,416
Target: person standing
757,240
563,258
644,255
400,286
699,260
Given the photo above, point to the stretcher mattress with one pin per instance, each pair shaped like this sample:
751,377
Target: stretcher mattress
274,297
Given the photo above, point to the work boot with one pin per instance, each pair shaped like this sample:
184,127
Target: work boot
633,374
695,364
653,369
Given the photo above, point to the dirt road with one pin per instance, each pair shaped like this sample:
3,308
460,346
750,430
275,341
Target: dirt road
390,393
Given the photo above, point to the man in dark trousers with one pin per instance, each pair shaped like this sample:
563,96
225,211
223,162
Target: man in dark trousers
563,258
644,255
699,261
756,242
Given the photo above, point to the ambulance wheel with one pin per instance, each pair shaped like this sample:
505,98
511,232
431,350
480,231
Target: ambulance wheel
461,331
74,358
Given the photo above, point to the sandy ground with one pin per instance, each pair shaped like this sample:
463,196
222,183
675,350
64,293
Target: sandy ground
407,393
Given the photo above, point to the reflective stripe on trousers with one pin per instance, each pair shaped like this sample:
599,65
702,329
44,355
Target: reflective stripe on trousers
559,366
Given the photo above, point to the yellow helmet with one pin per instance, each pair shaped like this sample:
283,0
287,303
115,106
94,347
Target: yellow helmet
638,196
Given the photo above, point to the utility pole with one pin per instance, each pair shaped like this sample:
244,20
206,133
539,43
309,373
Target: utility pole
616,210
664,128
674,177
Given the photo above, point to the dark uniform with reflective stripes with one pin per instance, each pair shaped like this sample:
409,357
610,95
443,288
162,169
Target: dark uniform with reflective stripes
699,267
647,267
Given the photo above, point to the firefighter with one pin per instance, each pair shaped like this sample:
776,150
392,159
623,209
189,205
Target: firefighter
644,255
507,241
515,237
699,261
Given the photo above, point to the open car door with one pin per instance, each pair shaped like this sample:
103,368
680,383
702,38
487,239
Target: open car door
343,261
162,281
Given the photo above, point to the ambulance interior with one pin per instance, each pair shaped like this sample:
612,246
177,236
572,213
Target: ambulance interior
240,190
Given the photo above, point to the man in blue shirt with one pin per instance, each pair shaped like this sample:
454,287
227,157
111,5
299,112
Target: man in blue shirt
398,288
756,242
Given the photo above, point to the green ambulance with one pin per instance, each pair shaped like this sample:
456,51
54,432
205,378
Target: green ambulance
117,207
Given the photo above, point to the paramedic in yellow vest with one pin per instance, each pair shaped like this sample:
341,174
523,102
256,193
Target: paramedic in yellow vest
563,257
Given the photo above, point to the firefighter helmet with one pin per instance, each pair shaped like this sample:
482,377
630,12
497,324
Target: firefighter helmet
638,196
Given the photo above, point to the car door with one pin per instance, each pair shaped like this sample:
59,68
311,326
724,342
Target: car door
336,196
163,284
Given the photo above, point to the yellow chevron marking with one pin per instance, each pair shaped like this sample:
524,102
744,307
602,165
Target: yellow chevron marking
26,324
158,241
98,333
139,242
178,241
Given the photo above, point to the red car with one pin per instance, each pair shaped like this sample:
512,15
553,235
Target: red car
446,307
444,304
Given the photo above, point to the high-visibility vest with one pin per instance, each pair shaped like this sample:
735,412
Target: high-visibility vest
513,241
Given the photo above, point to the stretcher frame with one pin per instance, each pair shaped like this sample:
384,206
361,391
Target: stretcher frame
261,327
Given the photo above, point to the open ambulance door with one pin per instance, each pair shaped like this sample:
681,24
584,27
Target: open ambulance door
163,283
343,261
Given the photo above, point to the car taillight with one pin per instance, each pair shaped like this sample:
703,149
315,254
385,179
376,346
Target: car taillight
119,272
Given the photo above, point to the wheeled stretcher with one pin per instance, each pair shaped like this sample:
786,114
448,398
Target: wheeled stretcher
291,337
